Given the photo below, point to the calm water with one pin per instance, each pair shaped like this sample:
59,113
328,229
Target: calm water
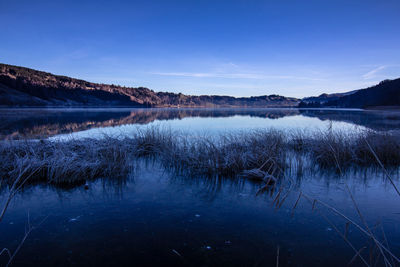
156,218
78,123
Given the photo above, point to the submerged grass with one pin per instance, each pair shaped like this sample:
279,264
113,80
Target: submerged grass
263,152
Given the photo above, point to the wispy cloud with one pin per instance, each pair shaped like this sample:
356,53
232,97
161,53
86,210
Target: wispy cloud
211,75
233,75
371,74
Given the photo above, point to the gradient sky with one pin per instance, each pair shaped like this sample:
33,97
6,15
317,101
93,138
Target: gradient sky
240,48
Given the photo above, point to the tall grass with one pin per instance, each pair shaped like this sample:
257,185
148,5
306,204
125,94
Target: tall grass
227,155
263,152
346,149
65,162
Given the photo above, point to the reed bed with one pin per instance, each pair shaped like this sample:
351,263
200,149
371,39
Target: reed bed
64,162
360,149
247,154
228,155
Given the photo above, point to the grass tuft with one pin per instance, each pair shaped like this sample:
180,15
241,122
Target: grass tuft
250,154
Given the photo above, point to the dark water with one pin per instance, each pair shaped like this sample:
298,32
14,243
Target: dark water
152,216
155,218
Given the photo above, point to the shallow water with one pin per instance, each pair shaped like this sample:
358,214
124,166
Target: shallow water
158,218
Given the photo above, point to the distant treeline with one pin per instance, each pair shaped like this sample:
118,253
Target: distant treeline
21,86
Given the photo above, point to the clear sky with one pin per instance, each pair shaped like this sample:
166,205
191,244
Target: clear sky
240,48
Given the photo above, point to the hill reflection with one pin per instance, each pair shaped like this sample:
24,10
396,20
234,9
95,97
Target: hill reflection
38,123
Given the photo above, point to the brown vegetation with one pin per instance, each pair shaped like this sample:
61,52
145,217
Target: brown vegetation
27,87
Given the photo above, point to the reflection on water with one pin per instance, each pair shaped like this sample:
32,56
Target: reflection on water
37,123
156,218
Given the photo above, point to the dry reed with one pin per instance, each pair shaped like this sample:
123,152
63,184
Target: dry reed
248,154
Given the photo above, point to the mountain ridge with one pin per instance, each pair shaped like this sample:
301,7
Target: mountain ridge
384,94
20,86
25,87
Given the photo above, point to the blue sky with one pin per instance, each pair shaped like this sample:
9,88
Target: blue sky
240,48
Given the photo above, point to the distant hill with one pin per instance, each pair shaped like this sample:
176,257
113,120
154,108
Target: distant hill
21,86
324,98
385,94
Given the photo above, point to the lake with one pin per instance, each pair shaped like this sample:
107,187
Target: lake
78,123
154,217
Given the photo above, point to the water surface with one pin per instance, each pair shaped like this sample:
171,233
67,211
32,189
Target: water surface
78,123
152,216
158,218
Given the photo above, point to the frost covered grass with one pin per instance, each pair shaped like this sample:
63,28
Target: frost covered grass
362,149
64,162
252,153
227,155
